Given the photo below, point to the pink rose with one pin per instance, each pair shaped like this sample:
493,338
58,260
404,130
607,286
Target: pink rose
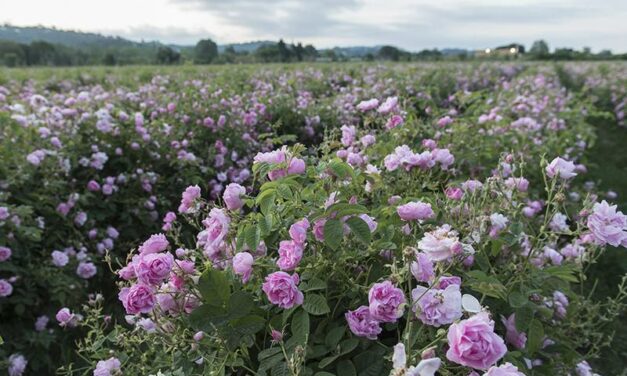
281,289
243,265
5,253
362,324
298,231
188,197
386,302
506,369
473,343
437,307
290,254
422,268
232,196
213,238
440,244
153,268
512,336
562,168
156,243
415,211
139,298
66,318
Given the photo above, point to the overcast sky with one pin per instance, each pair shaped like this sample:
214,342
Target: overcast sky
410,24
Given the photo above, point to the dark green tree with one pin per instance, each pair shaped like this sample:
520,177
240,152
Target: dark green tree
389,53
167,56
539,49
205,51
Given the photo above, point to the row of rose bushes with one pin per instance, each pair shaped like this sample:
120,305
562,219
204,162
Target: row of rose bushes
458,126
427,234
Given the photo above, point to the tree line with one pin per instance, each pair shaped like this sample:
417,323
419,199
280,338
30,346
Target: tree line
40,53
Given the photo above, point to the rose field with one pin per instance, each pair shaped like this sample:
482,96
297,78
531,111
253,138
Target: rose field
314,219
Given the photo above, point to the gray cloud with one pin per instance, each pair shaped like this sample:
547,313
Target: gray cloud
148,33
425,23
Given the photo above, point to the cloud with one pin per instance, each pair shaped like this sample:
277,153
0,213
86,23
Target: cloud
170,34
416,24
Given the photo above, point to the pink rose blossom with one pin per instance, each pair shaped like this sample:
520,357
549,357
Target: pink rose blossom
139,298
417,210
156,243
243,265
506,369
440,244
281,289
153,268
191,194
562,168
233,196
512,336
290,254
473,343
607,225
437,307
362,324
386,302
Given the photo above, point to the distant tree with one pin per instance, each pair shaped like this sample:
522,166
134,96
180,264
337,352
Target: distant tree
167,55
369,57
268,53
299,51
310,52
284,52
230,50
539,49
109,59
389,53
40,53
205,51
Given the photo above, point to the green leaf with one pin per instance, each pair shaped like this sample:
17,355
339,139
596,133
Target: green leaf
325,362
341,169
252,235
324,373
240,304
313,284
346,368
524,316
348,345
316,304
214,287
334,336
360,229
496,245
536,337
517,300
248,324
207,317
564,272
300,326
265,200
333,233
265,354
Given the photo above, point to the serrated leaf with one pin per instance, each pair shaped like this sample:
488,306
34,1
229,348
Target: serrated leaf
535,337
313,284
333,233
248,324
207,317
214,287
240,304
360,229
334,336
300,326
252,234
316,304
524,316
346,368
517,300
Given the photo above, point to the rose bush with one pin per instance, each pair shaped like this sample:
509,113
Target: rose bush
420,206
